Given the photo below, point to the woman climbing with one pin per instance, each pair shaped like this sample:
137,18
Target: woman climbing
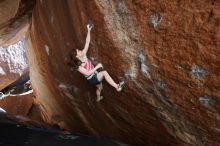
85,66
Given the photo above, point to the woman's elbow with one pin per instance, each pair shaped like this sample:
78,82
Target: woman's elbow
87,73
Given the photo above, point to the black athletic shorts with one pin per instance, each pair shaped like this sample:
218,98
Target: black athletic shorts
94,80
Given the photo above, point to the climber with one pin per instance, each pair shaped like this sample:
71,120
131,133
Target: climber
85,66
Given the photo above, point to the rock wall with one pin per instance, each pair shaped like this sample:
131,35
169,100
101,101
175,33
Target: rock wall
15,16
13,63
23,108
17,105
167,51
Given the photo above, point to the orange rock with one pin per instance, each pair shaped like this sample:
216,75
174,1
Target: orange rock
169,97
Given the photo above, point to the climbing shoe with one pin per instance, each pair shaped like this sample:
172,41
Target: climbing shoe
120,86
1,95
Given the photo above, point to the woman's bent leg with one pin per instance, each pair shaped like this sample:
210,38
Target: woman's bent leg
104,74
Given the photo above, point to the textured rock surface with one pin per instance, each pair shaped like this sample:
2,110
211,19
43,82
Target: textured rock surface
168,52
13,63
19,105
15,15
22,108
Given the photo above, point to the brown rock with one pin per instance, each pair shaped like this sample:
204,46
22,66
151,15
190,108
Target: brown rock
168,52
15,15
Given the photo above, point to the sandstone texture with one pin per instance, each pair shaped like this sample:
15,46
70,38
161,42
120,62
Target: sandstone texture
23,109
13,63
167,51
15,15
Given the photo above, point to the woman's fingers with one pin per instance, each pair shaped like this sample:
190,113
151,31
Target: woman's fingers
89,26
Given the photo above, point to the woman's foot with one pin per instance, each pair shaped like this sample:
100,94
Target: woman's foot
120,86
99,98
1,95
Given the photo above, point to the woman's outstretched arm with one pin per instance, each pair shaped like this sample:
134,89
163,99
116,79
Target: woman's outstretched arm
88,38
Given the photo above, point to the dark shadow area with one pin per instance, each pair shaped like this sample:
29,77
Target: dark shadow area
13,134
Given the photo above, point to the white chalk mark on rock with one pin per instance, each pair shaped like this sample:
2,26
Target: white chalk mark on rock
51,19
47,49
2,72
197,72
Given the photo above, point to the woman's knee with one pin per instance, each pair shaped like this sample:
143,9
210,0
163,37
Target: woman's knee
104,72
99,88
100,76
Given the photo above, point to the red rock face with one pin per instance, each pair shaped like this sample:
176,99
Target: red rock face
15,15
19,105
23,109
167,51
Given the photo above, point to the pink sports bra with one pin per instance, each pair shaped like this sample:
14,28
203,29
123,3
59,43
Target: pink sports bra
88,65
